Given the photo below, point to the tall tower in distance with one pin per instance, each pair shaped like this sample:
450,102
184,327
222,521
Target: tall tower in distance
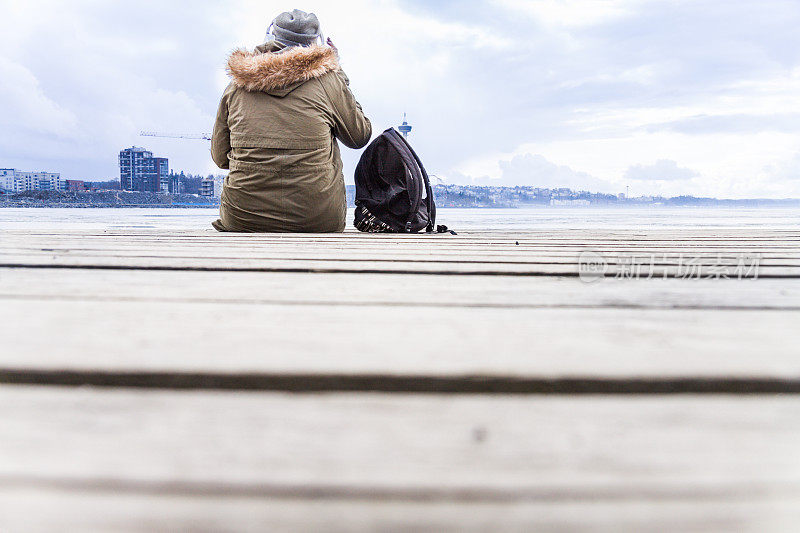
405,127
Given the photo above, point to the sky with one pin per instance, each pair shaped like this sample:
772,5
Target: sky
671,97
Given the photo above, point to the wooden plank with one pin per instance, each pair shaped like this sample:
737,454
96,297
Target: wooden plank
549,234
672,256
749,268
735,224
705,238
465,254
520,241
605,445
490,291
566,232
392,290
21,510
787,250
223,337
421,263
427,462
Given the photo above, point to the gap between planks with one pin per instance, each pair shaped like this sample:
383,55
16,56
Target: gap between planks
403,384
729,273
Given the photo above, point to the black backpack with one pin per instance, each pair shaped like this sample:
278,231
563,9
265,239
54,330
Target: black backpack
393,192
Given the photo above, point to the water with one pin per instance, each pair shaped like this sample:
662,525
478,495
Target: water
458,219
618,218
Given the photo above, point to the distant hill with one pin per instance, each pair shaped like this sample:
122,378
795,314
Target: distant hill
525,196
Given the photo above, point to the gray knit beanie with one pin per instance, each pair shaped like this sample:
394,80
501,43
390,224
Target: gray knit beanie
294,28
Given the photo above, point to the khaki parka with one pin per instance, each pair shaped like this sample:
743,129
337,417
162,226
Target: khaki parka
276,131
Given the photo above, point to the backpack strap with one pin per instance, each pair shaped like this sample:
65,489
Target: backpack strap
431,204
414,171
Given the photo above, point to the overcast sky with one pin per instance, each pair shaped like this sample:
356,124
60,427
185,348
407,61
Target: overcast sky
668,97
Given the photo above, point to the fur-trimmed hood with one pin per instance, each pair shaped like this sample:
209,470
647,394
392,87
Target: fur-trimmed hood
265,71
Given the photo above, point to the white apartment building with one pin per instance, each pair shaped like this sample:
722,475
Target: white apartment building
18,181
38,181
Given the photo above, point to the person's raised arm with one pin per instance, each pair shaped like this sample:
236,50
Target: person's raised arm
221,137
351,126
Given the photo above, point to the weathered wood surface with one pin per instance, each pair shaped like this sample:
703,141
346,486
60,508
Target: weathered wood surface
403,461
119,335
665,253
393,290
124,308
600,445
85,509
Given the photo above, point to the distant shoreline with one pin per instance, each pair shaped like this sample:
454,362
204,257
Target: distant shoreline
632,207
109,206
447,196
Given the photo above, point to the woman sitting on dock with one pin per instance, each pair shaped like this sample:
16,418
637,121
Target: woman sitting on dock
276,131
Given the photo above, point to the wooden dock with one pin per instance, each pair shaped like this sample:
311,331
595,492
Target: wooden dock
551,380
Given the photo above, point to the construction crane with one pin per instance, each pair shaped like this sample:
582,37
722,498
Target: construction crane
198,136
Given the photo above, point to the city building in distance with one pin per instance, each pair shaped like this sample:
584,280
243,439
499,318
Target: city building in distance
13,180
75,186
7,179
211,187
140,171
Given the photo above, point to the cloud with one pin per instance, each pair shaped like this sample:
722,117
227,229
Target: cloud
786,171
536,171
27,108
661,170
572,13
81,96
732,123
598,87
